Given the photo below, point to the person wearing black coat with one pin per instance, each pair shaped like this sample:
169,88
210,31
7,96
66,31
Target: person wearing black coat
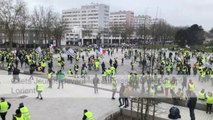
16,72
191,104
103,66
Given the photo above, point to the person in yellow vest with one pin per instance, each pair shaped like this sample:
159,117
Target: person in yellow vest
191,86
39,89
88,115
62,65
59,61
18,115
76,68
50,75
129,78
180,94
152,92
83,74
70,73
112,70
209,103
108,71
24,111
4,107
159,88
202,95
114,87
97,64
167,86
203,76
43,65
104,75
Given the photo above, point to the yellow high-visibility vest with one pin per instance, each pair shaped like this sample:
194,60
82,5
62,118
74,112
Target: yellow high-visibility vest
152,92
49,75
4,107
168,84
201,95
89,116
210,99
69,73
191,87
19,118
159,88
25,112
40,86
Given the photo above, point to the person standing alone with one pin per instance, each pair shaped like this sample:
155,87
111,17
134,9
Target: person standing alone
114,87
209,103
191,103
95,83
39,89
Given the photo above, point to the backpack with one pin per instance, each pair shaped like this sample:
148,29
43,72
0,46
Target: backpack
174,113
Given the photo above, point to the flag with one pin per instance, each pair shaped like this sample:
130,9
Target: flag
70,52
39,51
101,51
104,51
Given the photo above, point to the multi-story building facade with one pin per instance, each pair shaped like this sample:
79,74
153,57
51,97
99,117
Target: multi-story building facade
93,17
142,20
122,19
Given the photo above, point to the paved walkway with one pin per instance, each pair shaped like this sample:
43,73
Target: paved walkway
58,104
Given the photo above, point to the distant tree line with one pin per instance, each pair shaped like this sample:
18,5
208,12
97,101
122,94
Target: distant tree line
14,16
193,35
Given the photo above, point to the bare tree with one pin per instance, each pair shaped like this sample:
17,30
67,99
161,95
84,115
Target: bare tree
36,24
115,31
47,22
59,26
43,22
10,11
23,23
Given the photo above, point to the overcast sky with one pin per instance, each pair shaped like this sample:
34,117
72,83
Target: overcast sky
175,12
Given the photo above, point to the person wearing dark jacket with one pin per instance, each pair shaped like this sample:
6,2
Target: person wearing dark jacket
103,66
18,115
16,72
191,104
50,64
32,69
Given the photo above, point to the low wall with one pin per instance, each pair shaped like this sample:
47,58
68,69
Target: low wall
125,114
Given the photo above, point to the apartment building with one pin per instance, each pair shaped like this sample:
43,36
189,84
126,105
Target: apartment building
121,18
142,20
93,17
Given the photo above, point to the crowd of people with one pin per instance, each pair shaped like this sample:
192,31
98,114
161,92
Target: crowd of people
162,73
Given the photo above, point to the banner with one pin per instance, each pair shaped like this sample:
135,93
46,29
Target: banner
70,52
39,51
